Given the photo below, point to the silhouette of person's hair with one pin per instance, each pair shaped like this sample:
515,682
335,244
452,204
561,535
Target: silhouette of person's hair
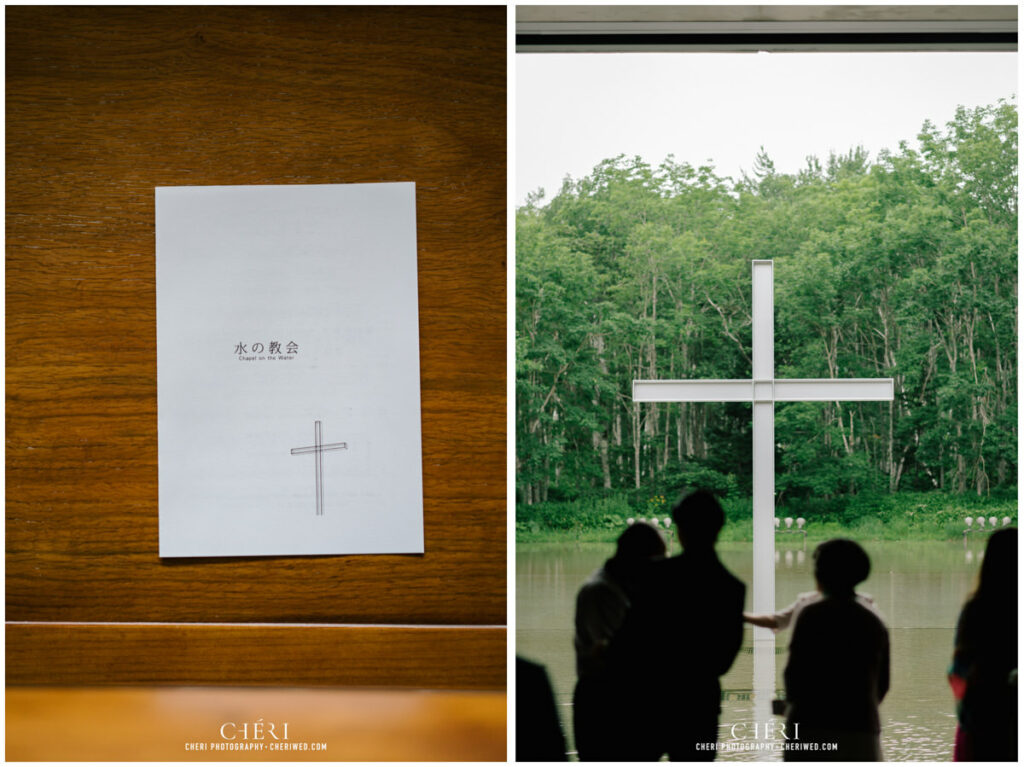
638,544
699,517
999,567
641,540
983,672
839,565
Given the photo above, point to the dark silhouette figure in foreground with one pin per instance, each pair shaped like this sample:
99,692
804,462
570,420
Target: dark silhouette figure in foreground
838,669
682,632
538,731
601,608
984,670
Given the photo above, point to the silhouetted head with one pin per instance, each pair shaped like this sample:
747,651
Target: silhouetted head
698,517
639,541
638,545
839,565
998,574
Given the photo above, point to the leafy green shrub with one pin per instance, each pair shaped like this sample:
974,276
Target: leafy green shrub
868,528
866,516
737,510
694,475
953,529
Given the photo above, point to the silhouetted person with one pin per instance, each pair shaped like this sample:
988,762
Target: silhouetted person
538,730
601,607
984,670
838,669
681,634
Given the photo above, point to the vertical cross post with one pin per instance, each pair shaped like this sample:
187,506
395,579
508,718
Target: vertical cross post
763,403
762,353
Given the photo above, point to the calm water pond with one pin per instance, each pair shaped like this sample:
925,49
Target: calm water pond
919,588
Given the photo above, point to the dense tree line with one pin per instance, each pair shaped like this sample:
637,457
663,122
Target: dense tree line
902,267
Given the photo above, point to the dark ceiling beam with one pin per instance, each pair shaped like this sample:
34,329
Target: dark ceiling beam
765,28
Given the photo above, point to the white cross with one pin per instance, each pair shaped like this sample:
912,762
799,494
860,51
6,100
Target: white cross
318,447
763,391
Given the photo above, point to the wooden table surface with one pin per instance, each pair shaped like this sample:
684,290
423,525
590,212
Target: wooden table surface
103,105
182,724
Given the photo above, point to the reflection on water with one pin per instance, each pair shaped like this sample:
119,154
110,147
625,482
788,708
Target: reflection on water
918,587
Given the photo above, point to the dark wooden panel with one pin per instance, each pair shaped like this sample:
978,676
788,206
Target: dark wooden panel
104,104
155,724
247,654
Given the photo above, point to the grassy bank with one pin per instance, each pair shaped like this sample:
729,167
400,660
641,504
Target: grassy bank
903,516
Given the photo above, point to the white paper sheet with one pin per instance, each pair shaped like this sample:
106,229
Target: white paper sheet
287,319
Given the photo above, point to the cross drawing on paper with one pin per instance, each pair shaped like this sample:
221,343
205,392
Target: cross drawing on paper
319,448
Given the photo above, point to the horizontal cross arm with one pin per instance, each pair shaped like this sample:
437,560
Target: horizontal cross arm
699,390
833,389
321,448
779,390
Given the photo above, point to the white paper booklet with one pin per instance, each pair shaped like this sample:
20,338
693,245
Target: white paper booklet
288,370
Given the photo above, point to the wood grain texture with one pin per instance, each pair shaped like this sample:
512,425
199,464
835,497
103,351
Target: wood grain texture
148,724
248,654
103,105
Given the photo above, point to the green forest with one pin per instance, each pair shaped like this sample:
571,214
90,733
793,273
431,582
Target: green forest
901,266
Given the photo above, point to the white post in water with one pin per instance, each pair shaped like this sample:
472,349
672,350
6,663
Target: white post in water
763,390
